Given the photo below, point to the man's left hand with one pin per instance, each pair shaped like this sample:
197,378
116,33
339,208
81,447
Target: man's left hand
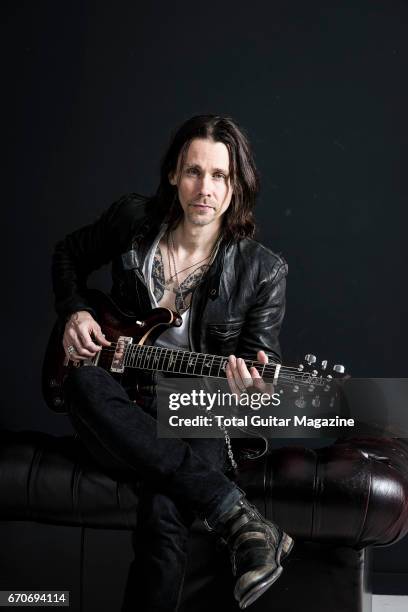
240,378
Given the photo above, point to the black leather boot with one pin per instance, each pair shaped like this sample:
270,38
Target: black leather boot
256,548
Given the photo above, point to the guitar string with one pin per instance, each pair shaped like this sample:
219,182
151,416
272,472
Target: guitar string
200,361
199,356
315,382
282,379
203,356
310,381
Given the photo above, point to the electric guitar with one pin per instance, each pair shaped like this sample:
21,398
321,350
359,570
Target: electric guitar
132,350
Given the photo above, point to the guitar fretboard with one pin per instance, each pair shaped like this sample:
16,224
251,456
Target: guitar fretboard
178,361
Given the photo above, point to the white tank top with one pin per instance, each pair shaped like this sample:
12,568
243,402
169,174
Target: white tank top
174,337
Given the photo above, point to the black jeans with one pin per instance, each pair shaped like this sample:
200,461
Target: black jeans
180,480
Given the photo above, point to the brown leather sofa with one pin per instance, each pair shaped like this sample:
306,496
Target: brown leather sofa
337,502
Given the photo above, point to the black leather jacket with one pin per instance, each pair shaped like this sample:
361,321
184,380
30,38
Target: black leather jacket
237,309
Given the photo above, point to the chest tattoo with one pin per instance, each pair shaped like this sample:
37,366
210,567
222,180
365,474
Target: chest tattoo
187,287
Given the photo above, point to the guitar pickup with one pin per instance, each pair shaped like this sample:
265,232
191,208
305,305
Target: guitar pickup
118,361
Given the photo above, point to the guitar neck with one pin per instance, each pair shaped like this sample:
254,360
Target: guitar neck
178,361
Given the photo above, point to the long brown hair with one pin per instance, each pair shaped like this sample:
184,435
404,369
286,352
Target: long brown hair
238,220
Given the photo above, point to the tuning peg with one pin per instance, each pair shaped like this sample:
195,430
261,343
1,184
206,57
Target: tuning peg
301,367
324,364
310,359
340,369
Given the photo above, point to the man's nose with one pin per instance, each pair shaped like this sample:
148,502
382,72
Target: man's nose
205,185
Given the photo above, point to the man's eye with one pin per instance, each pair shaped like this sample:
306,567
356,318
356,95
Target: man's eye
219,175
192,171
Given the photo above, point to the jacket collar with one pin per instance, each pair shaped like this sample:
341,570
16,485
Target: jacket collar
144,236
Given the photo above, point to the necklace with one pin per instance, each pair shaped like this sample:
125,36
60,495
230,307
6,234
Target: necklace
184,269
170,252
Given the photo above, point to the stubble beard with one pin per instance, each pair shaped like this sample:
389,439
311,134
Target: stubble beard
195,218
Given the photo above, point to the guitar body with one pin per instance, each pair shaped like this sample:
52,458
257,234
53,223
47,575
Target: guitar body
120,329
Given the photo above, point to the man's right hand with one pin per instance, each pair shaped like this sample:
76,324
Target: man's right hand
82,332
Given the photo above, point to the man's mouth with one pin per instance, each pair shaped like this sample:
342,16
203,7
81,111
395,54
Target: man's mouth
202,206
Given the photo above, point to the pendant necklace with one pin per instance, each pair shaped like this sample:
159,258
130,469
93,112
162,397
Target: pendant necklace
170,251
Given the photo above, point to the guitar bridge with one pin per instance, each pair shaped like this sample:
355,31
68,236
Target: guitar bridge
118,361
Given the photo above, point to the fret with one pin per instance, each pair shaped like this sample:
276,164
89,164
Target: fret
176,352
148,357
171,360
145,357
126,357
192,360
130,354
160,364
210,368
222,366
165,362
203,364
208,363
183,368
199,364
138,357
143,360
156,357
179,358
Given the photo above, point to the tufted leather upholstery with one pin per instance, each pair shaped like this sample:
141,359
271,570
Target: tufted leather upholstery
354,492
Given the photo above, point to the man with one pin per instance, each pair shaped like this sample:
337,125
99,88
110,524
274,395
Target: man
188,248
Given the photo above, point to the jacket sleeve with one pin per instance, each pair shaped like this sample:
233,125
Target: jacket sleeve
264,318
86,250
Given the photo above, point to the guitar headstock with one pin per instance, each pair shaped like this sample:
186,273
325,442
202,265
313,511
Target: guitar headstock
321,372
312,382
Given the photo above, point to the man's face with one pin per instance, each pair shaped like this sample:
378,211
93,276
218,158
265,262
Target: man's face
204,185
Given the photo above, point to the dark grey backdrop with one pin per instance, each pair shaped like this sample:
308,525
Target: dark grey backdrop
322,90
